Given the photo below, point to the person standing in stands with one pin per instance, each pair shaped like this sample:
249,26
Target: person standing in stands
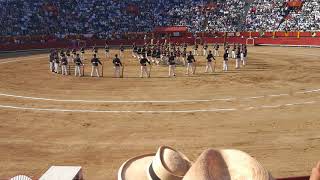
117,64
95,65
77,61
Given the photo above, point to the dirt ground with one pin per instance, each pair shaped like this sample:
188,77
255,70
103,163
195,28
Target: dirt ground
269,109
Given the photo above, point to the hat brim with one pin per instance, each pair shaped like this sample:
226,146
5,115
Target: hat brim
136,168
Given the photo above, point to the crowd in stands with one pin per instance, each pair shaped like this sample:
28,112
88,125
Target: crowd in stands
107,19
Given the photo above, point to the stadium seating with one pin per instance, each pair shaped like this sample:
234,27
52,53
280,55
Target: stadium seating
110,19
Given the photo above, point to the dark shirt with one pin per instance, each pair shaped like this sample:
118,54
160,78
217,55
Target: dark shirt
95,62
191,59
171,60
144,61
77,61
210,57
225,56
64,61
117,62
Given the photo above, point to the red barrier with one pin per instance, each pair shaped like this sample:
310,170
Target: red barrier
302,41
288,41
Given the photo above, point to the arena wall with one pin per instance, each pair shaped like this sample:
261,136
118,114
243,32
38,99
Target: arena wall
267,38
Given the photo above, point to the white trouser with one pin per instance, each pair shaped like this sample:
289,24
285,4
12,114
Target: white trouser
56,67
144,70
238,63
195,52
189,67
82,56
51,66
106,54
216,53
95,70
233,54
64,70
69,58
184,61
120,53
225,65
205,52
209,66
77,70
116,71
244,61
172,70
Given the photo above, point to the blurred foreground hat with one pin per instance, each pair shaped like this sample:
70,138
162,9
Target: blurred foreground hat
166,164
226,164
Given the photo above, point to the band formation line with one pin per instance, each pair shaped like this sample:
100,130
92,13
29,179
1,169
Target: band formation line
169,54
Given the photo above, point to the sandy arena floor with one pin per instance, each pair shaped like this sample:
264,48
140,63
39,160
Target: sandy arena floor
269,109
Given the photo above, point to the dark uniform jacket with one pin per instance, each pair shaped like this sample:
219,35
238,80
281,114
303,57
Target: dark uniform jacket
144,62
191,59
117,62
95,62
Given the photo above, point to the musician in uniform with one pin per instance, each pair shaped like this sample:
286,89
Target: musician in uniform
95,65
190,60
210,57
143,63
64,64
172,65
77,61
117,64
106,50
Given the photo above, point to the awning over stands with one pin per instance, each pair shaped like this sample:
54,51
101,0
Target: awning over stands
171,29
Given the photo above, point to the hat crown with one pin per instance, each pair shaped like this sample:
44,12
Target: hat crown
175,162
226,164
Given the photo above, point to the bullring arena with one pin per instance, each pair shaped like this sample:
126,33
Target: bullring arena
270,109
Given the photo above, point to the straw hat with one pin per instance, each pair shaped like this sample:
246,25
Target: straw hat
166,164
227,164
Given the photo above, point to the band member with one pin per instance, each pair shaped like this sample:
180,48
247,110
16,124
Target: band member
117,64
74,53
51,60
238,58
143,63
82,53
106,50
121,50
184,56
172,65
233,52
154,55
190,60
95,50
56,64
64,64
205,49
139,53
69,58
195,49
244,55
134,50
77,61
225,61
95,65
209,62
216,50
158,56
